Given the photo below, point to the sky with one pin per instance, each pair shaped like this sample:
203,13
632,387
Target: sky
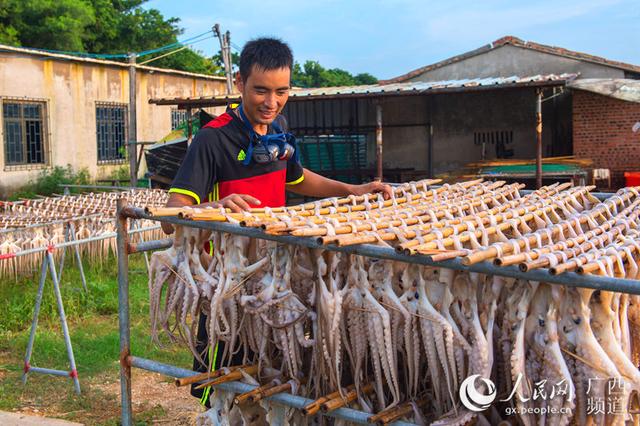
390,38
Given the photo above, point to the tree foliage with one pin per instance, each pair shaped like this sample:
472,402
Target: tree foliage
123,26
312,74
97,26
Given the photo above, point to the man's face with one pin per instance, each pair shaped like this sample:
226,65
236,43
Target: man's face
264,94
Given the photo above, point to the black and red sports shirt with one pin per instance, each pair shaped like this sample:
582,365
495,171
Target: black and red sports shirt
213,169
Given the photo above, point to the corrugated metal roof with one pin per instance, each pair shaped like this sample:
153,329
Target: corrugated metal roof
377,90
618,88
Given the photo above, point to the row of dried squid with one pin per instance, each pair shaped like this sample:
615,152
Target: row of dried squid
51,221
402,332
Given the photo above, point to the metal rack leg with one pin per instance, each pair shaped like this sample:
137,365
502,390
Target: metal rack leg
48,264
123,316
63,322
64,251
34,323
76,249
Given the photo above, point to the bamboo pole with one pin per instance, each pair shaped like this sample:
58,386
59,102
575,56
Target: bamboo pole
519,203
423,204
356,199
401,410
533,259
206,376
312,408
342,205
285,387
593,266
412,230
447,232
340,401
507,247
408,219
343,214
230,377
248,395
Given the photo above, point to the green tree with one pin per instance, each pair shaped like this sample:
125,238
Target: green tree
46,24
312,74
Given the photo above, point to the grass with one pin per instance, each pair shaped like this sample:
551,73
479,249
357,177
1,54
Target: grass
93,324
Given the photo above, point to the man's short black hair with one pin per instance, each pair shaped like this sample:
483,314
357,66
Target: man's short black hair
266,54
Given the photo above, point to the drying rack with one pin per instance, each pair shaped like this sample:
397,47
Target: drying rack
127,360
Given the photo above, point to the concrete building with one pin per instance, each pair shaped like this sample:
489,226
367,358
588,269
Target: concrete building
473,106
60,109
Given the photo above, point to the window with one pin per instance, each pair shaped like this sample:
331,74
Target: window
178,116
111,130
337,156
24,132
499,138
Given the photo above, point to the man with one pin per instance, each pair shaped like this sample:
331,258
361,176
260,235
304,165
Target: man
219,170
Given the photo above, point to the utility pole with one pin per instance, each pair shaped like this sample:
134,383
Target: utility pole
225,41
133,134
539,138
229,70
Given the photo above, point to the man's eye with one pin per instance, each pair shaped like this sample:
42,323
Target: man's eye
260,92
282,92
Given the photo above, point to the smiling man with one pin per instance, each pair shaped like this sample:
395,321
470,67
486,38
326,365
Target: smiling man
227,165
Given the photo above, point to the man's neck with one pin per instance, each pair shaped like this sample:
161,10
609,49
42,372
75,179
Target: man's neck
260,129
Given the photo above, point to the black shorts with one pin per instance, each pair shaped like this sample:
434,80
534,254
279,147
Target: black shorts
202,341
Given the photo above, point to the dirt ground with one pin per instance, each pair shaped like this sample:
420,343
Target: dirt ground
152,390
156,400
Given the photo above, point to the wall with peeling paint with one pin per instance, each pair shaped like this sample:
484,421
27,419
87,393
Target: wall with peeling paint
71,89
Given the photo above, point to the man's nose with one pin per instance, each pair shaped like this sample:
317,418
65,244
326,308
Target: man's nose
270,100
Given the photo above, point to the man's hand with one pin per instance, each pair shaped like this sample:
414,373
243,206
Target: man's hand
371,187
234,202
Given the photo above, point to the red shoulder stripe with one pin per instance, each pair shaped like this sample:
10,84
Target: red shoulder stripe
220,121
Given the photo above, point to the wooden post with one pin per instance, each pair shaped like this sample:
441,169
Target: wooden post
539,139
133,134
379,140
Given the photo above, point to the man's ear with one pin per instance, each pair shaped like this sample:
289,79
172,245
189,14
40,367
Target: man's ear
239,82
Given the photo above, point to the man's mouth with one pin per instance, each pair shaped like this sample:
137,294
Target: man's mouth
267,114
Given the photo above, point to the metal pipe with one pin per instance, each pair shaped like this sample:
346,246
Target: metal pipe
49,371
539,138
123,314
379,140
78,258
150,245
602,196
133,134
74,243
286,399
571,279
34,322
121,188
63,321
53,222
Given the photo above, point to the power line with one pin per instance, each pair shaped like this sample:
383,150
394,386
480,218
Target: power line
174,51
191,40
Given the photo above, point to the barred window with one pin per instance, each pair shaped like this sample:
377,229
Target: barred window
24,132
111,131
178,116
339,156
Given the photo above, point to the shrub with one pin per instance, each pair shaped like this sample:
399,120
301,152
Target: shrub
48,182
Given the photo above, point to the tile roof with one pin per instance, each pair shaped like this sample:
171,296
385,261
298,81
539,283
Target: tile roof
515,41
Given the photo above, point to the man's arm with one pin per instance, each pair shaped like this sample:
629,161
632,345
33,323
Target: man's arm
314,185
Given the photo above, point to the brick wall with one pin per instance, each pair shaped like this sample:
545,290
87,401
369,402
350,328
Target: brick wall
602,132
